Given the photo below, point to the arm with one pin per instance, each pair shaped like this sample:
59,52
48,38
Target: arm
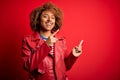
72,57
69,61
32,59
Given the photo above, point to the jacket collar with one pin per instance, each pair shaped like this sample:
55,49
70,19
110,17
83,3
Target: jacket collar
35,36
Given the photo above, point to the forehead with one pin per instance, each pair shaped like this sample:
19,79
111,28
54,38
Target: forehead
48,12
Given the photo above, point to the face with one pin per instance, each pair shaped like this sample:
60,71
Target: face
47,20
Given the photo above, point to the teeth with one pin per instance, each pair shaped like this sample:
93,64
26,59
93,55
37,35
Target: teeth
48,24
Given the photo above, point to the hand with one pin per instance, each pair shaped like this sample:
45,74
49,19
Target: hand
77,50
51,39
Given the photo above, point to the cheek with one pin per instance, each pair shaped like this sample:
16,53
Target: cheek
42,21
54,21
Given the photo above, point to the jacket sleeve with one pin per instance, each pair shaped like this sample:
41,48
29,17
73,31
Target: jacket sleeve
69,59
31,59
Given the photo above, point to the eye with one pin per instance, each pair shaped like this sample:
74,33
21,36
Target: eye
45,16
53,17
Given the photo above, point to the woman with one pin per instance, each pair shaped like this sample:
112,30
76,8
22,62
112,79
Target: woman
44,54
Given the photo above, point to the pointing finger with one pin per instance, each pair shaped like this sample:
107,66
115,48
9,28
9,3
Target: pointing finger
81,42
55,32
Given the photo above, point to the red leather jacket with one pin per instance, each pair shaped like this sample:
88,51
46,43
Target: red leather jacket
37,61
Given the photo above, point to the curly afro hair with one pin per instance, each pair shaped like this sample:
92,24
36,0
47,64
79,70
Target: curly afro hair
36,13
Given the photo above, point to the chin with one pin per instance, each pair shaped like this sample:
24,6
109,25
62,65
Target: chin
49,29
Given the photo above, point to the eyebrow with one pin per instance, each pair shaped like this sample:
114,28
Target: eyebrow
47,14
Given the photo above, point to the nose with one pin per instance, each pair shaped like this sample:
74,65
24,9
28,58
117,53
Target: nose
49,19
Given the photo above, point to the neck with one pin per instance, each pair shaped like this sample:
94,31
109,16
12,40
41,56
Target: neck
46,34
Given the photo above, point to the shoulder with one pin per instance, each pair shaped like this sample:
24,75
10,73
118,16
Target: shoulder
27,37
31,40
32,37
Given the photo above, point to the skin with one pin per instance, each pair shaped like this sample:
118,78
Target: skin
47,21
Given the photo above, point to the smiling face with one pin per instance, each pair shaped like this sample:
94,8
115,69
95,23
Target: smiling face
47,21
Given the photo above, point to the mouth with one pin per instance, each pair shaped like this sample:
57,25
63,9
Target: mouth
49,23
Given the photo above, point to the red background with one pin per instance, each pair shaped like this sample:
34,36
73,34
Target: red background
94,21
